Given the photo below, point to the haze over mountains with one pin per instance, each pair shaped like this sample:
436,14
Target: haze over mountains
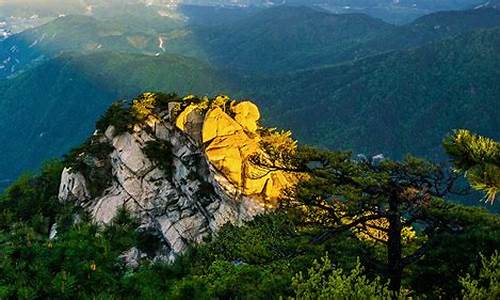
249,149
347,81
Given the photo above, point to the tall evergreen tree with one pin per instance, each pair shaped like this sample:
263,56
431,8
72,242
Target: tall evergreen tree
378,199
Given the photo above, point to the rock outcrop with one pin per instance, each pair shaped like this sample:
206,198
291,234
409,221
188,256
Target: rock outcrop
213,170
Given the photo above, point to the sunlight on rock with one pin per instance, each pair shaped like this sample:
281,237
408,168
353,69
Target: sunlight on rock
231,141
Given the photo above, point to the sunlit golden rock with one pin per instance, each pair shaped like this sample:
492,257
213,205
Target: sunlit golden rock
219,124
231,142
190,120
246,114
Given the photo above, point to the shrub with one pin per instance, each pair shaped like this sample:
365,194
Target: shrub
325,281
160,152
119,115
487,286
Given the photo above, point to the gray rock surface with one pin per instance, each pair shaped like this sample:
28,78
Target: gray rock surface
181,205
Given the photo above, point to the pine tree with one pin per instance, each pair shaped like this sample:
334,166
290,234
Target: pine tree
478,158
380,200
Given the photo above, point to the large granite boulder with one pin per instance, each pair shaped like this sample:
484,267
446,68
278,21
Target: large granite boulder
211,178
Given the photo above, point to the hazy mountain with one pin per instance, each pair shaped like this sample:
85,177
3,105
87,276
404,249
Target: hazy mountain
392,11
280,39
83,34
23,14
51,108
344,87
395,103
144,30
283,39
288,38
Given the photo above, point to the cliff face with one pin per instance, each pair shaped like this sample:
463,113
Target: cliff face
184,170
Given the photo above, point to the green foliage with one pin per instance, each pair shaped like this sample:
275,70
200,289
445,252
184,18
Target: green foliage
488,284
456,251
386,202
92,160
160,152
478,158
33,199
258,259
325,281
81,262
118,115
149,103
124,115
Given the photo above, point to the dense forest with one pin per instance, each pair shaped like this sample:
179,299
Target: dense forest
355,228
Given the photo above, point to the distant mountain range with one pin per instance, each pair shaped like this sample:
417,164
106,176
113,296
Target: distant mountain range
284,39
338,81
294,37
24,14
396,103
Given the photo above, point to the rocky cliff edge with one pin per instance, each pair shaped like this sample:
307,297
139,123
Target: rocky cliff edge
183,167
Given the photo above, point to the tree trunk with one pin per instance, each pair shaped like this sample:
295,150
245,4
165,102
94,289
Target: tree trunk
394,253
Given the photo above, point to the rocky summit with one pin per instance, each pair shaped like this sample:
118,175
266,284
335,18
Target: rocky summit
183,166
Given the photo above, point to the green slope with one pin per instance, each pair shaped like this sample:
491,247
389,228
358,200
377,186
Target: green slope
274,40
395,103
51,108
289,38
284,39
83,34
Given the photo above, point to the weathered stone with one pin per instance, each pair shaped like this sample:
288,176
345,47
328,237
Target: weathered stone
230,145
73,186
190,121
53,231
212,181
218,124
247,114
105,208
110,132
130,153
131,257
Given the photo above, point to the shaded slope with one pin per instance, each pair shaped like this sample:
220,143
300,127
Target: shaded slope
43,116
394,103
287,38
290,38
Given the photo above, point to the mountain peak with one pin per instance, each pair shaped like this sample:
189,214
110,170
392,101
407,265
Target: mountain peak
184,167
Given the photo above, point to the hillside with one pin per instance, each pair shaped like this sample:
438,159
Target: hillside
288,38
40,126
279,39
188,198
352,100
83,34
395,103
360,106
438,26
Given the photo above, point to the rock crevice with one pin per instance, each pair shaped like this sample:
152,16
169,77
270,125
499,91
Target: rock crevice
212,178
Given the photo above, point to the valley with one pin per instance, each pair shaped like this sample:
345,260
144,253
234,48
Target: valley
351,69
249,149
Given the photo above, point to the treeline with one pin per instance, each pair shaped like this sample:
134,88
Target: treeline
358,228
